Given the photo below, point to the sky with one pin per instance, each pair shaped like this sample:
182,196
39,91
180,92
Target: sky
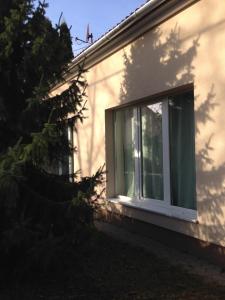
101,15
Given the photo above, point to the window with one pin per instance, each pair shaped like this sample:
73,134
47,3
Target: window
63,165
155,156
66,163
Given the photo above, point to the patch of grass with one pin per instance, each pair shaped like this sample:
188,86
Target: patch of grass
109,269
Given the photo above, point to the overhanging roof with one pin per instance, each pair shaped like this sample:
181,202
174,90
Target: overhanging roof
121,26
141,20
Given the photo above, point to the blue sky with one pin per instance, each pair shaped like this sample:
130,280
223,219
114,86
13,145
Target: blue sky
100,14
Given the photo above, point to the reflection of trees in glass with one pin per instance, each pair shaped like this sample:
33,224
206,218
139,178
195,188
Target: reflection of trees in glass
124,149
152,153
129,163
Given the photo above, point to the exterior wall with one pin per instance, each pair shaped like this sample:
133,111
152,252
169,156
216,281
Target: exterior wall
187,48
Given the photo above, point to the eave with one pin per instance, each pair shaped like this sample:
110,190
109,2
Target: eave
136,24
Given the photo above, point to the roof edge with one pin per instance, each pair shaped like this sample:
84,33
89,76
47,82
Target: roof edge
118,29
160,10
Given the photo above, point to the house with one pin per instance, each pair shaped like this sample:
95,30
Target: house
156,115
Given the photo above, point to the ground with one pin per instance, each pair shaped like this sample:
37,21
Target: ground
113,269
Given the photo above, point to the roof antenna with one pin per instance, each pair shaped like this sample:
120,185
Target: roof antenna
89,37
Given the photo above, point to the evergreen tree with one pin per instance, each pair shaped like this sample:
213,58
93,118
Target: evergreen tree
66,41
36,206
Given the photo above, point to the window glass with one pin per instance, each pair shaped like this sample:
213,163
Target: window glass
124,129
70,158
154,146
66,162
152,152
182,150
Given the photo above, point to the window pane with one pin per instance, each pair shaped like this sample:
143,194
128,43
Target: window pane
124,152
66,163
71,159
152,151
63,163
182,150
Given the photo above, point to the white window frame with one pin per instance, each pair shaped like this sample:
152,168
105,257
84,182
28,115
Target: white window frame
163,206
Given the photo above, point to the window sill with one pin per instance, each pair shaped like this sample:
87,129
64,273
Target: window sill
182,214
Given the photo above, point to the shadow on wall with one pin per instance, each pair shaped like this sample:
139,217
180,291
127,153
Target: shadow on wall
89,140
162,62
156,63
211,177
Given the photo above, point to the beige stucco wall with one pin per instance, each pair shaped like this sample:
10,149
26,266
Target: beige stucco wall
190,47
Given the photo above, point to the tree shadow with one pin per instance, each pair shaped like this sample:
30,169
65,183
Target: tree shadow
211,176
167,64
162,61
90,139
